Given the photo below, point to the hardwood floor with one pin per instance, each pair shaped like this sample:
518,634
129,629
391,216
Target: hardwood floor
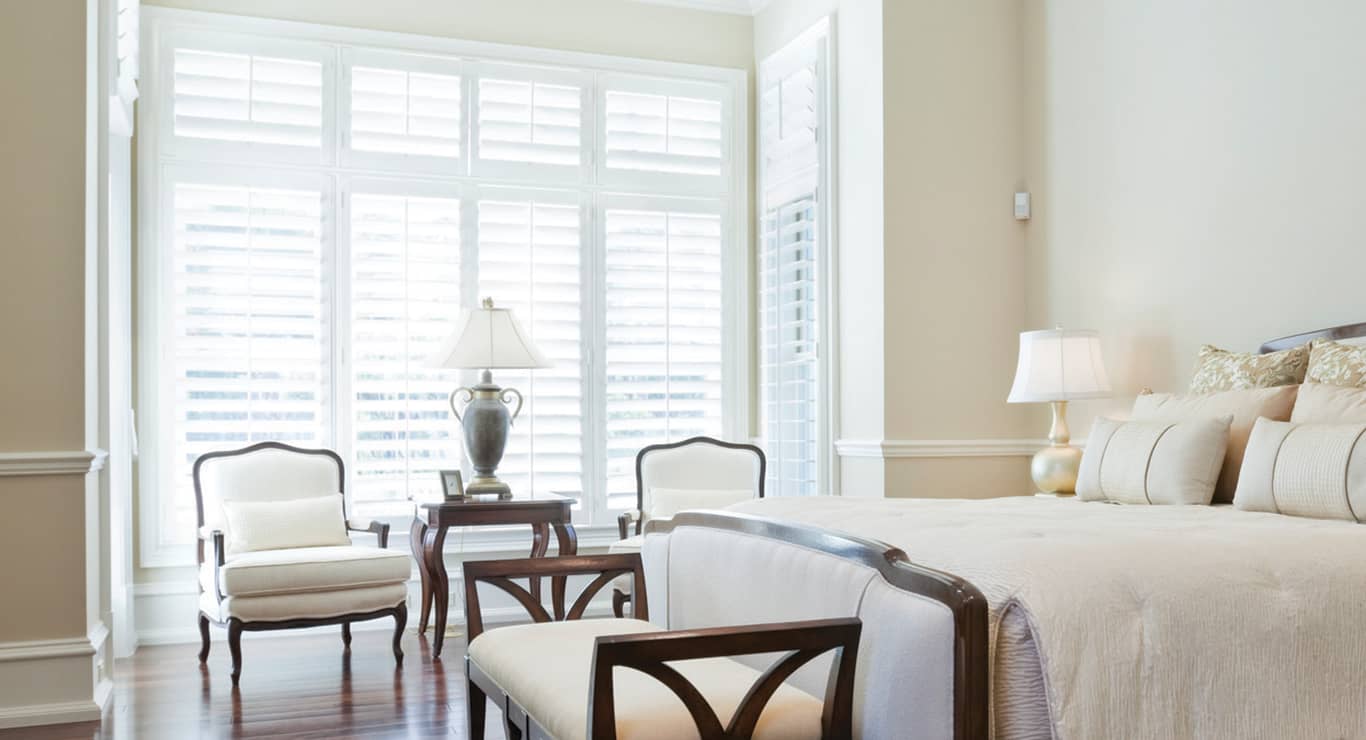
295,686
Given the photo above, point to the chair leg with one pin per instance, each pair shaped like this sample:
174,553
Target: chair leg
400,622
346,635
235,647
476,702
619,602
203,638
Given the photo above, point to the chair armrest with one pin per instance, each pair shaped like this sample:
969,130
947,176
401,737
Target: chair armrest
624,523
650,652
499,573
219,552
379,529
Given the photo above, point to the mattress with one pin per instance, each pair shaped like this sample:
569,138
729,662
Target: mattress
1142,621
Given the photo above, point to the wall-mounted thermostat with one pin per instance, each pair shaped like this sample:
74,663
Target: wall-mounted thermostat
1022,206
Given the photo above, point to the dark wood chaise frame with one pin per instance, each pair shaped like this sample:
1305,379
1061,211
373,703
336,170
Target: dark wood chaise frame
650,653
1346,331
630,522
236,626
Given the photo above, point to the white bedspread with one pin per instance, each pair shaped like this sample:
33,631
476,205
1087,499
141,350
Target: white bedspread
1152,621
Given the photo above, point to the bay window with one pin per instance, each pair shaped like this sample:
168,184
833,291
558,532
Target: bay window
319,205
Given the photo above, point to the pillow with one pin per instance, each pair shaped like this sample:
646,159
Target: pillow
665,502
1220,370
1335,363
1310,470
1319,403
1245,406
315,521
1153,462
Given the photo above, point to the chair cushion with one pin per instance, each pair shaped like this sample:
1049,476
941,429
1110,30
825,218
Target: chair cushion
304,569
313,521
311,605
547,669
664,503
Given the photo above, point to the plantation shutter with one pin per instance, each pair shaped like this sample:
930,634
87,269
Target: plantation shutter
663,329
405,299
248,311
790,260
248,98
656,131
530,252
529,123
403,111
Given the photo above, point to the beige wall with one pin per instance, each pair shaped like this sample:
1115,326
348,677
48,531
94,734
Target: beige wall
42,299
1198,175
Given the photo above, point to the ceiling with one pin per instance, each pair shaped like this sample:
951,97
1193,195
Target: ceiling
736,7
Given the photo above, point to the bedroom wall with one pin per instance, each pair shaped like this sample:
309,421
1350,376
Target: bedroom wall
1197,171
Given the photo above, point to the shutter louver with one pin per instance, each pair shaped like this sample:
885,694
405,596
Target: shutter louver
664,335
663,133
530,122
249,99
249,333
400,112
405,299
529,261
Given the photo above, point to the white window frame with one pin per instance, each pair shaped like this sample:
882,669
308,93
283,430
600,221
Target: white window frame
159,149
821,36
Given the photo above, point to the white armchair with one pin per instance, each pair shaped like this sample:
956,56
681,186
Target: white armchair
697,473
274,548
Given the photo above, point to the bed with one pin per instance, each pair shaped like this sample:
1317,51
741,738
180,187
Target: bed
1024,617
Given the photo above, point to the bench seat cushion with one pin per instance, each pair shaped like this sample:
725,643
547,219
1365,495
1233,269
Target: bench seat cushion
546,669
305,569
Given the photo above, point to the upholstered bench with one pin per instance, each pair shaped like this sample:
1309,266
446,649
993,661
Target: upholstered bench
628,679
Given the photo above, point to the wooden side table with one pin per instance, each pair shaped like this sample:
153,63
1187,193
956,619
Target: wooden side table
428,536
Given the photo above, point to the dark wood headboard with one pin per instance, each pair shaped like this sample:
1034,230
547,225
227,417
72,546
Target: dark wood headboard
1348,331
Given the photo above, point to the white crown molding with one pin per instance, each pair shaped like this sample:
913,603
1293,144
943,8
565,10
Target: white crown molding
936,448
731,7
52,462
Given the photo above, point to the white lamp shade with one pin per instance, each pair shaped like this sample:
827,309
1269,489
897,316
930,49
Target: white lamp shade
488,338
1059,365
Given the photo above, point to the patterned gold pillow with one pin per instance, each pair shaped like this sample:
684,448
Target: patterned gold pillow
1220,370
1334,363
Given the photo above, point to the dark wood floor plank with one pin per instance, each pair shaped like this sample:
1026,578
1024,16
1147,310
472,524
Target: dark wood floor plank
293,686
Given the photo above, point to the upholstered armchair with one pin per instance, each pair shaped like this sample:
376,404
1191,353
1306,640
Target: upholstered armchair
275,552
697,473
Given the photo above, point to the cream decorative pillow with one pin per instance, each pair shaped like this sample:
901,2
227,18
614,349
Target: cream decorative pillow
1319,403
1335,363
315,521
1220,370
664,503
1153,462
1310,470
1245,406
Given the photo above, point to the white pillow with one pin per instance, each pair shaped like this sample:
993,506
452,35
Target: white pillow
1153,462
665,502
1310,470
315,521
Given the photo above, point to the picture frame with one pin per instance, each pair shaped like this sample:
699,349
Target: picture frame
452,485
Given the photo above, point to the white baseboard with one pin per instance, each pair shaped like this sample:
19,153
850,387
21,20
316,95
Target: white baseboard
933,448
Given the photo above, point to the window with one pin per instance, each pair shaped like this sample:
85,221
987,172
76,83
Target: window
317,214
794,259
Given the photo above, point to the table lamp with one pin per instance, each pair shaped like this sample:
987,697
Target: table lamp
489,338
1057,366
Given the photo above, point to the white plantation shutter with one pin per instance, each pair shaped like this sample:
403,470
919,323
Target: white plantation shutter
406,109
405,298
663,330
791,265
240,92
653,130
249,335
529,123
530,260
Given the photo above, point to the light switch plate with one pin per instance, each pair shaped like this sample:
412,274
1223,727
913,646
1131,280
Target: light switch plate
1022,206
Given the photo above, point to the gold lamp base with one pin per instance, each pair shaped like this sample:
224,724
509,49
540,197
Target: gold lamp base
1054,468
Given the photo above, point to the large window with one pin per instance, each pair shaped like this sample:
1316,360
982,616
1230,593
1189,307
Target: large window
317,211
794,267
